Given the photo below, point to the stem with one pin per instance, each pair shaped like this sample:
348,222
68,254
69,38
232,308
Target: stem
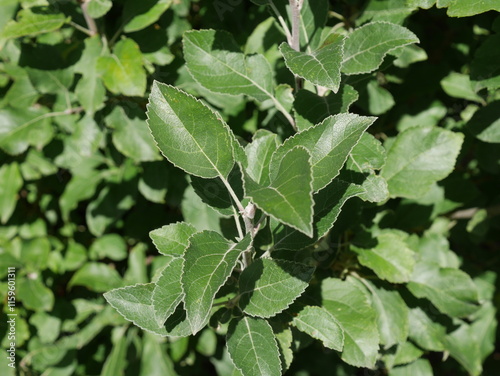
469,213
282,109
239,205
295,6
81,28
89,20
238,224
282,22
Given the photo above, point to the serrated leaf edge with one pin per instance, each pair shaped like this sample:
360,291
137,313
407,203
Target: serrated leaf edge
175,223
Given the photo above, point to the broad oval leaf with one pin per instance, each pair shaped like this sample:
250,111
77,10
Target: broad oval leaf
390,259
321,67
215,60
268,287
173,239
252,347
140,14
320,324
135,304
451,290
12,181
366,46
350,307
288,197
32,23
189,134
413,166
208,262
329,144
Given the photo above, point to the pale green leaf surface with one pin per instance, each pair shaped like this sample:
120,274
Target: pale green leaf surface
426,333
412,167
313,16
217,63
34,294
172,239
98,8
458,85
467,8
268,287
485,123
208,263
199,214
366,46
115,363
320,324
112,246
452,291
391,259
420,367
350,307
367,155
311,109
140,14
122,71
135,304
11,182
168,294
189,134
154,360
96,276
288,197
31,23
463,345
131,135
321,67
329,144
252,347
394,11
259,153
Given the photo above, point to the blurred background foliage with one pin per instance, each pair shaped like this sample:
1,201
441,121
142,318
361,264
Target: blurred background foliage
82,183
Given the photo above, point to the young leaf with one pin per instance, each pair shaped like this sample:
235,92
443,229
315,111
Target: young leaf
189,134
259,153
208,263
350,307
122,72
167,293
451,290
172,239
366,46
215,60
329,144
140,14
268,287
320,324
327,206
390,259
135,304
288,197
412,167
321,67
252,347
32,23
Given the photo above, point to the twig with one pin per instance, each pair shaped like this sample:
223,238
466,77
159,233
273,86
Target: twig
81,28
295,6
89,20
469,213
282,22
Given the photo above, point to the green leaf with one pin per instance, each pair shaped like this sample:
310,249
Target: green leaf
153,183
140,14
311,109
394,11
189,134
366,46
12,182
420,367
172,240
392,315
252,347
313,16
135,304
463,345
327,206
412,167
122,71
215,60
112,246
320,324
97,277
259,153
485,123
458,85
268,287
208,262
288,197
31,23
485,67
98,8
329,144
34,294
462,8
154,360
320,67
167,293
90,90
451,290
390,259
22,128
375,99
350,307
199,214
131,134
367,155
115,363
425,332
